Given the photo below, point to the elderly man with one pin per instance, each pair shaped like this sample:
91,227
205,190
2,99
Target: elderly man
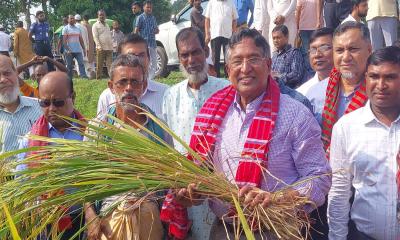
321,59
183,101
345,90
365,155
56,98
17,113
154,91
39,70
230,122
103,39
128,78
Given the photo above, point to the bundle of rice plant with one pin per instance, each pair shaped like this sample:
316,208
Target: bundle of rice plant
120,160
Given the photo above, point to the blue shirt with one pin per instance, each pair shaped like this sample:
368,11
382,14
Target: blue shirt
243,7
40,31
289,63
147,26
295,95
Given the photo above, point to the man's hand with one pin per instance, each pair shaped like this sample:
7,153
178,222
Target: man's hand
45,59
254,196
188,197
94,223
279,20
207,39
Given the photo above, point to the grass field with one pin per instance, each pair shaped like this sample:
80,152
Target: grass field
88,92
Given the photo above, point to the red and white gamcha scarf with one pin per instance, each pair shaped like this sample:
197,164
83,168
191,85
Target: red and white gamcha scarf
254,155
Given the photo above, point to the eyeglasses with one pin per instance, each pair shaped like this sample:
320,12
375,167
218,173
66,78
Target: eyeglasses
322,49
254,61
44,103
124,82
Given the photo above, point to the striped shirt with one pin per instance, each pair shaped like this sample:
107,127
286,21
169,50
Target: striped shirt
71,34
17,124
147,26
295,154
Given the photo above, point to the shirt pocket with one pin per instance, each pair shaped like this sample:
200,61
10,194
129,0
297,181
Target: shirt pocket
365,173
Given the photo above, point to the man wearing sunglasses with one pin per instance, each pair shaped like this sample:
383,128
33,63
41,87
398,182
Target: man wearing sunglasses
56,98
17,113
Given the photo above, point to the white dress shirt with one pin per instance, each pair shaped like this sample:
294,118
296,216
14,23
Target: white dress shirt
305,87
316,95
152,97
5,42
180,107
221,15
349,19
261,17
363,156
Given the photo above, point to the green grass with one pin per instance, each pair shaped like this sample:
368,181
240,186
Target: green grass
88,92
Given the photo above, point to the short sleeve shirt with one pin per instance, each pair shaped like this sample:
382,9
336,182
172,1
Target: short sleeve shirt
40,31
71,35
221,15
147,25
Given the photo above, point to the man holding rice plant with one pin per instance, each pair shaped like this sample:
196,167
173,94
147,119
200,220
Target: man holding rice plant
56,98
130,219
258,138
183,101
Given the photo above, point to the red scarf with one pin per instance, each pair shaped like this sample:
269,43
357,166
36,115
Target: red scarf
329,114
41,128
254,155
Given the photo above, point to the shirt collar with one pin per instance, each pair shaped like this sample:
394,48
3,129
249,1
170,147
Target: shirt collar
368,116
285,49
252,106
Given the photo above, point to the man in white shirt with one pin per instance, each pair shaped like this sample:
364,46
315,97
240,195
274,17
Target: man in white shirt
220,23
154,91
261,18
85,37
183,101
5,42
359,11
365,156
321,60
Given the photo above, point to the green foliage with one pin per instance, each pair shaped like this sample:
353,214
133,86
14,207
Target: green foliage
9,14
178,5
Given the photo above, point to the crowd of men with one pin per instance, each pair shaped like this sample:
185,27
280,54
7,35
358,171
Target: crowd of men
326,114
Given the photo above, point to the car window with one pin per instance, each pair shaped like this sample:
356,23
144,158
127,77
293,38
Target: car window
186,15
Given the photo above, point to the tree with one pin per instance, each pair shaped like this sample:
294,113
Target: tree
178,5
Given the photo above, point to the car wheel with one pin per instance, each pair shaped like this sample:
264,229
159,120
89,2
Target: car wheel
162,63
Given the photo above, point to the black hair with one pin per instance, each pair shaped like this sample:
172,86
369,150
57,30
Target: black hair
385,55
397,43
281,28
127,60
133,38
147,2
344,27
135,3
188,32
258,39
357,2
38,13
86,17
321,32
20,24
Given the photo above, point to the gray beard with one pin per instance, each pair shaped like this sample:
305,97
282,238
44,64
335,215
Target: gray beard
10,97
195,78
347,75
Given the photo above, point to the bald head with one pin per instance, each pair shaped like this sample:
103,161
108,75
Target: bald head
56,80
56,97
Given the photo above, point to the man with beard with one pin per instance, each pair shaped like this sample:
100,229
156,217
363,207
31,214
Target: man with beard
183,101
359,11
345,91
154,91
128,77
56,98
17,113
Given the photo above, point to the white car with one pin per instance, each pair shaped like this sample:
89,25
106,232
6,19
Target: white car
167,54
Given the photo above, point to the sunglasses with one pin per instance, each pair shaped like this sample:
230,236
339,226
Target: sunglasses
56,102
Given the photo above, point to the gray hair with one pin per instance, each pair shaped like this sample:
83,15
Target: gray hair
128,60
353,25
259,41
